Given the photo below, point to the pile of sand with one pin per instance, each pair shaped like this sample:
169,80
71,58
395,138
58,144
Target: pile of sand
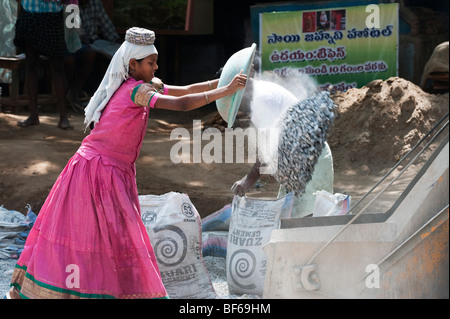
380,122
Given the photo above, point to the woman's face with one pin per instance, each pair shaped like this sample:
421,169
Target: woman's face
144,69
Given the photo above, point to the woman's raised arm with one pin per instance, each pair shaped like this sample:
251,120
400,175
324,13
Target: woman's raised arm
197,97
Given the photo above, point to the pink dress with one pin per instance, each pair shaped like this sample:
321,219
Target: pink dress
89,240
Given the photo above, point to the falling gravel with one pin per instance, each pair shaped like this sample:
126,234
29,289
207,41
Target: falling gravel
303,132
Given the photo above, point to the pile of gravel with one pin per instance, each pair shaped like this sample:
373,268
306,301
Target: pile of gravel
6,271
215,265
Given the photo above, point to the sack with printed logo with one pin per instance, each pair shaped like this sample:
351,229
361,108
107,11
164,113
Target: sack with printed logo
174,228
252,222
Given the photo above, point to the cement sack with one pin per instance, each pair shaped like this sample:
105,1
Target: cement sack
11,219
328,204
14,229
252,222
174,227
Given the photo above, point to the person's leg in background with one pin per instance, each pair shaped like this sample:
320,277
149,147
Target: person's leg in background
32,84
78,67
59,84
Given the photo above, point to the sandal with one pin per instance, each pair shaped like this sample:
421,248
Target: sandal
28,122
64,124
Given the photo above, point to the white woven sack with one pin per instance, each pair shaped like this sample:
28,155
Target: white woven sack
174,227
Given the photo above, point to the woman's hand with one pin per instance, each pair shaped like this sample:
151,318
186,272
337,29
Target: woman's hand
238,82
242,186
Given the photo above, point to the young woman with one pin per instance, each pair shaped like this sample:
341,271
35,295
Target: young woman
89,240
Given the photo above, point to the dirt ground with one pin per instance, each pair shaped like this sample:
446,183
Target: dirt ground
376,125
33,157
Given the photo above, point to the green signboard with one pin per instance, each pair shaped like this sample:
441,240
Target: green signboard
343,46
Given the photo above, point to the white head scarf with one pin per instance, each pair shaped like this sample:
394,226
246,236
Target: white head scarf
138,44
